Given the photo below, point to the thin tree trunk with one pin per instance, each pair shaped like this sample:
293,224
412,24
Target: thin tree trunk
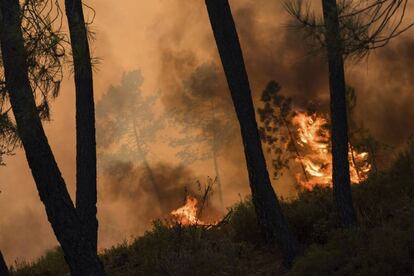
269,214
86,191
4,270
61,213
215,157
148,169
340,162
218,179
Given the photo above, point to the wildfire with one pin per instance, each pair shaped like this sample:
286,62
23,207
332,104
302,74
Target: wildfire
314,141
187,214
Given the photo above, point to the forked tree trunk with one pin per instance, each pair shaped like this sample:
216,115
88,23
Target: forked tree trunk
340,162
61,213
4,270
269,214
85,121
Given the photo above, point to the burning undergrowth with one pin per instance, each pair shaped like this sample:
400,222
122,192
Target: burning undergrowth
128,189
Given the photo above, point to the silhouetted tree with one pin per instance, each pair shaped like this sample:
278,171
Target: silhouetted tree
348,29
339,123
4,270
277,131
79,253
85,121
45,50
269,214
363,25
127,124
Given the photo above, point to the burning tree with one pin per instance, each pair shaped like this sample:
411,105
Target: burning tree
348,29
277,131
313,138
303,137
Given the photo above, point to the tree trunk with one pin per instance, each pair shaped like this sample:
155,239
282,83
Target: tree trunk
340,162
218,178
85,122
215,155
269,214
4,270
61,213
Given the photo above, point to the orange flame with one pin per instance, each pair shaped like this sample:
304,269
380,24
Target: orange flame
314,140
187,214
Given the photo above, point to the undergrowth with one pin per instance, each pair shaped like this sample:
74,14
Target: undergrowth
382,244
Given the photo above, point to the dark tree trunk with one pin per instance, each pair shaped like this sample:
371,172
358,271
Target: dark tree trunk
269,214
61,213
340,162
85,121
4,270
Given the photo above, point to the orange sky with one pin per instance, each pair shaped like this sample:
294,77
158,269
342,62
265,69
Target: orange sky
137,34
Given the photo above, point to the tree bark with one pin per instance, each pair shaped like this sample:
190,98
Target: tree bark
61,213
4,270
340,162
269,214
86,191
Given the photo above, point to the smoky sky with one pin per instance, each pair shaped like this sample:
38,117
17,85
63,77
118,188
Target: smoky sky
168,41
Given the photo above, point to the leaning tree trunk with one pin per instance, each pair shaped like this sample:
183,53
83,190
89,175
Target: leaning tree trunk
269,214
85,121
61,213
340,162
4,270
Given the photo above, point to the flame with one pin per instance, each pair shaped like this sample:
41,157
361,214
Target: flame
187,214
313,138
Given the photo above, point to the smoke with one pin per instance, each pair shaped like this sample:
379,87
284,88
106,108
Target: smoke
129,205
169,41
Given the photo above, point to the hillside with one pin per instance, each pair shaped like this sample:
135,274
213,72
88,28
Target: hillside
383,244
